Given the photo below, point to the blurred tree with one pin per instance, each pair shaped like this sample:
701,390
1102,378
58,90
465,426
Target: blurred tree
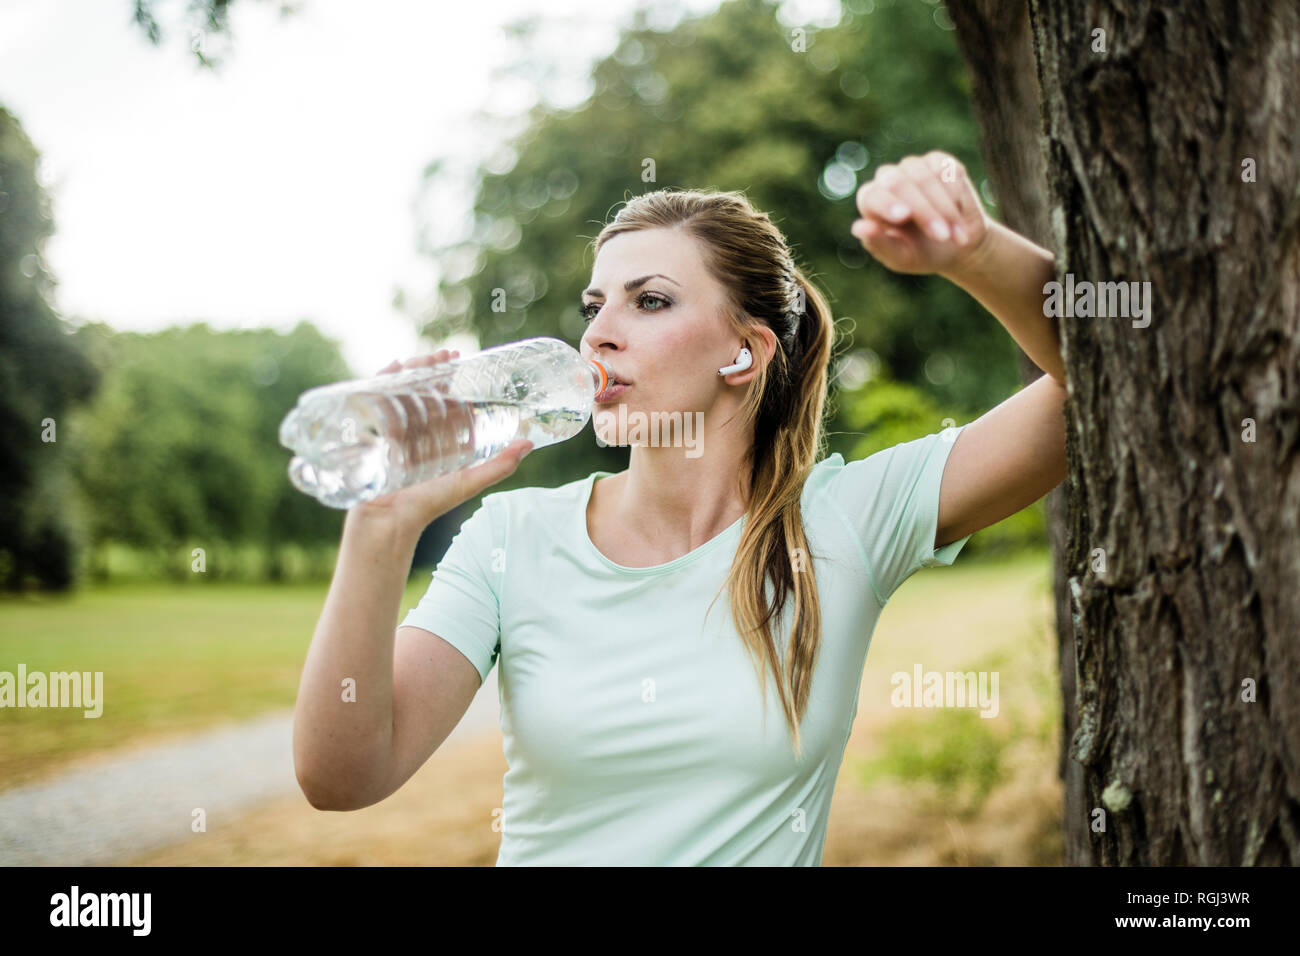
890,413
207,24
43,374
181,449
736,100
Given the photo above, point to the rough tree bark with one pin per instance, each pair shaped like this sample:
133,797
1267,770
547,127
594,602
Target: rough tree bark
1172,158
996,42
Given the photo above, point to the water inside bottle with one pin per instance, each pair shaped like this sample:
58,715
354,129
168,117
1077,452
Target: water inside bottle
360,445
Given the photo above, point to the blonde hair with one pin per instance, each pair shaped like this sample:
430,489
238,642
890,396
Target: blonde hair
786,404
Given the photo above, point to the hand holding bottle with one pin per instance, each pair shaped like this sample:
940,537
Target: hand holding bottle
419,504
355,441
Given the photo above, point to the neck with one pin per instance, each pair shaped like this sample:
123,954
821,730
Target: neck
676,503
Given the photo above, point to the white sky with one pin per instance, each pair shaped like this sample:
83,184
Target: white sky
284,186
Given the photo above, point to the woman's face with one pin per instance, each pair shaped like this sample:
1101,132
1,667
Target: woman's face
667,335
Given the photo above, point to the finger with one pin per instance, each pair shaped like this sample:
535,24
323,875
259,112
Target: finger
927,218
923,212
511,454
876,196
953,178
873,230
895,197
494,469
886,242
392,366
877,201
939,193
952,175
515,452
430,359
433,358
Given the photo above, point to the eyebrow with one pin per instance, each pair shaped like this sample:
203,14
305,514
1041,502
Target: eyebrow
631,284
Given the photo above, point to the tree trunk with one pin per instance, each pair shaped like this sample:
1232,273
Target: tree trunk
1172,158
995,39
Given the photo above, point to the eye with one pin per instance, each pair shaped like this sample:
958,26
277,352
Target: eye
586,313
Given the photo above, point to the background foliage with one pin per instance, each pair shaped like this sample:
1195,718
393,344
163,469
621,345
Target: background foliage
168,441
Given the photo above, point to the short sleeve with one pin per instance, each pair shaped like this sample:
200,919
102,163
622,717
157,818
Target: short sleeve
890,501
462,604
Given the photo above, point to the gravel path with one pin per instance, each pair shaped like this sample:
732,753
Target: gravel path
145,798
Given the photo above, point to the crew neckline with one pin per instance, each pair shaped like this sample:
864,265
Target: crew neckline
687,558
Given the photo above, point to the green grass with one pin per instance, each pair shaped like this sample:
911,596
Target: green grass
175,659
178,658
958,751
982,617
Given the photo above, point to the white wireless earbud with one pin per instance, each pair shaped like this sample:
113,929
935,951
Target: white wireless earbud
743,361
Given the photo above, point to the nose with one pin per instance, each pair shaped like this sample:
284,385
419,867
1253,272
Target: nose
600,333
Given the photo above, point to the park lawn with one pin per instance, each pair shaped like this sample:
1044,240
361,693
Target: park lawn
992,615
176,658
182,658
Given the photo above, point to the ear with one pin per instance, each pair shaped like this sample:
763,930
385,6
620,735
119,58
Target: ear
762,343
767,341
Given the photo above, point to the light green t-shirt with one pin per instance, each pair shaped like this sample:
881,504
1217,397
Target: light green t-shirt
633,727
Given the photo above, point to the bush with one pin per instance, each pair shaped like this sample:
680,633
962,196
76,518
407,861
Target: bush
112,561
956,750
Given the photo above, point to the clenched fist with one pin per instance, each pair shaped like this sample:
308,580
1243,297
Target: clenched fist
921,215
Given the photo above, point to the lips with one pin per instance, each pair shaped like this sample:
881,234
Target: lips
613,385
612,391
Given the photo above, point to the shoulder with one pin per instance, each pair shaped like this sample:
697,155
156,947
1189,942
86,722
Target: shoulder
822,478
822,473
895,469
519,505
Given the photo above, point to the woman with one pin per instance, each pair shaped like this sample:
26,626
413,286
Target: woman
634,731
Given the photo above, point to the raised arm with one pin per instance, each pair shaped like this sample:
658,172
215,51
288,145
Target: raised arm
375,700
920,216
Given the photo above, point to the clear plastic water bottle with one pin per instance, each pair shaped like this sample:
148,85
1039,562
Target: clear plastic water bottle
359,439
